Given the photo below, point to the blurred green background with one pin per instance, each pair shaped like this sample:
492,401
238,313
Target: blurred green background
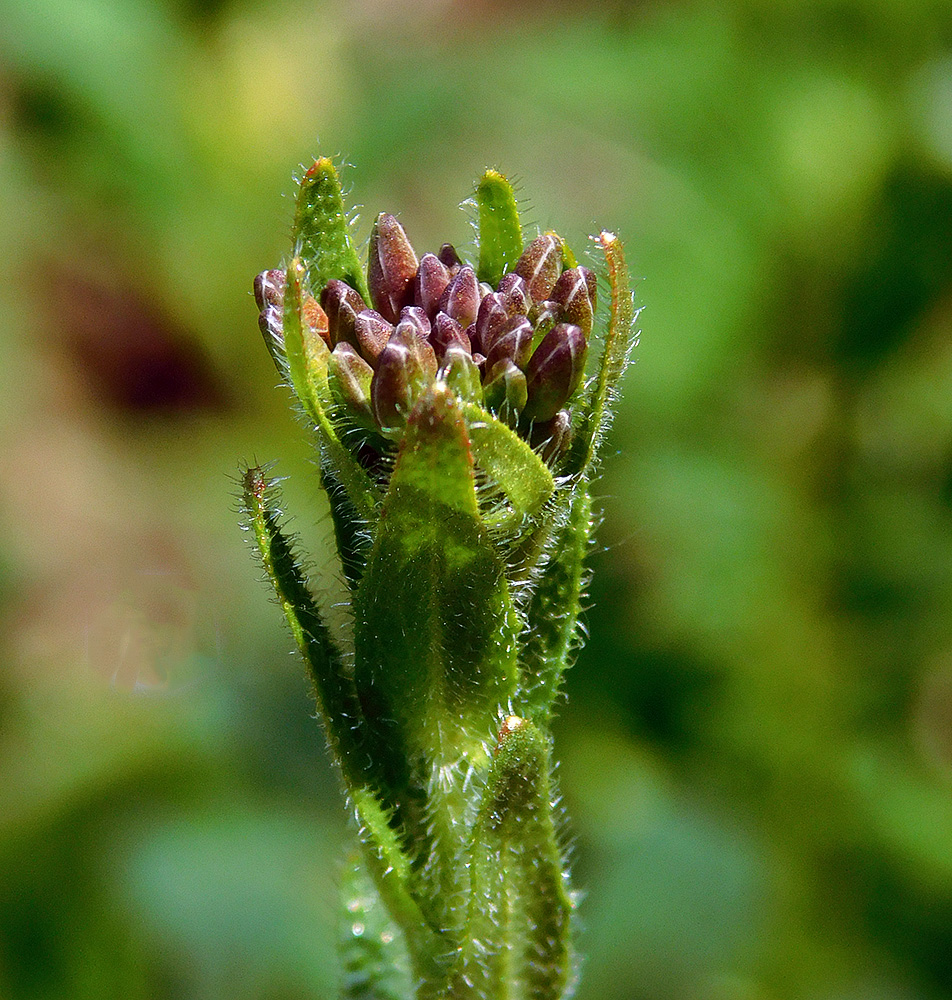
757,746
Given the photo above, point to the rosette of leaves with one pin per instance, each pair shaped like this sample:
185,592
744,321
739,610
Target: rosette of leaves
458,434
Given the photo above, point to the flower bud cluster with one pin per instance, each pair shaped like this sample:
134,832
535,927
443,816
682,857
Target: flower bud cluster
462,550
518,349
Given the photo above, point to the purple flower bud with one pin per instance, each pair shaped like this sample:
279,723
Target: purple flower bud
540,264
372,332
551,437
391,268
461,297
350,377
448,333
574,292
269,288
514,342
315,319
430,283
342,304
450,258
506,392
271,324
515,293
419,319
460,373
490,320
555,370
405,367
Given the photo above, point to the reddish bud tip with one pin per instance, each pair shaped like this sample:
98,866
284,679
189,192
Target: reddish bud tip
315,319
405,367
450,258
490,320
514,342
391,268
515,294
269,288
460,300
540,264
446,333
574,293
416,316
342,304
430,283
372,332
555,370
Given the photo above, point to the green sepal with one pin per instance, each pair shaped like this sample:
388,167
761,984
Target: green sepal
460,373
306,351
500,233
506,393
390,868
568,258
353,407
517,935
333,689
435,624
351,532
321,231
551,630
510,463
308,357
616,352
374,961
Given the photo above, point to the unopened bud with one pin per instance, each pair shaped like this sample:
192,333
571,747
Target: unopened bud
459,372
430,283
514,342
552,437
315,319
342,304
350,377
555,370
418,318
269,288
448,333
372,332
270,322
575,294
391,268
404,368
515,294
506,392
543,316
490,320
450,258
540,264
461,297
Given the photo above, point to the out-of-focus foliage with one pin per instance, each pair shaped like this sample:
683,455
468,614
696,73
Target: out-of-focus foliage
758,743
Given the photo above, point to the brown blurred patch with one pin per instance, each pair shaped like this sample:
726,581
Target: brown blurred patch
130,354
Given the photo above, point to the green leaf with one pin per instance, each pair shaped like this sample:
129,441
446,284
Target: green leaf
616,352
308,358
374,960
517,936
510,463
500,234
321,231
551,628
350,530
333,690
435,627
